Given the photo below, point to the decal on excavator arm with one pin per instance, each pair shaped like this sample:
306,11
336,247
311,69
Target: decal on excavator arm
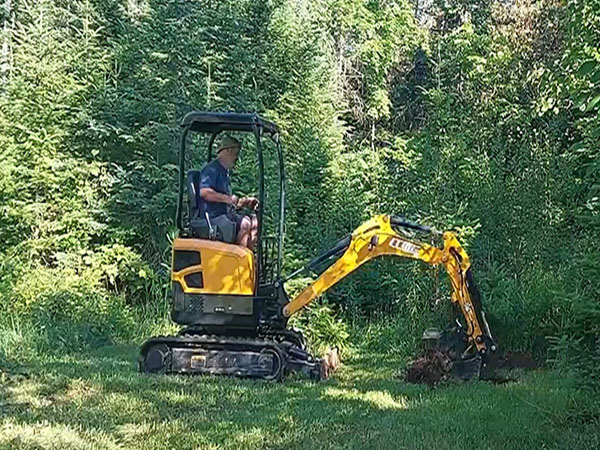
405,246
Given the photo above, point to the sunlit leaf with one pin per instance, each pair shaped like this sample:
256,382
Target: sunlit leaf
592,103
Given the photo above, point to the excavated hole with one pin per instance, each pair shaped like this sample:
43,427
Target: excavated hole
435,366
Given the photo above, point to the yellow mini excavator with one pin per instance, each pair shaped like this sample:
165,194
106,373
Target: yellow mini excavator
232,301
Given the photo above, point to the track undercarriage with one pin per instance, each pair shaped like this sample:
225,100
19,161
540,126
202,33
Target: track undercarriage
268,356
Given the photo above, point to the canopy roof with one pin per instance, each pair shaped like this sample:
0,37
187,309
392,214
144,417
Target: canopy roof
215,122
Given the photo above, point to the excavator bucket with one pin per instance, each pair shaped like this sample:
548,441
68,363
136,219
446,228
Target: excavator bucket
445,357
467,369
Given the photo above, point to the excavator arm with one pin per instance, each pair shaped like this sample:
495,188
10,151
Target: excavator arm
378,237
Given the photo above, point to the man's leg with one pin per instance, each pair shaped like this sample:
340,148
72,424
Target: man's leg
226,227
244,231
253,231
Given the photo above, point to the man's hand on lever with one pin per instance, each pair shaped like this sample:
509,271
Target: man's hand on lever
248,202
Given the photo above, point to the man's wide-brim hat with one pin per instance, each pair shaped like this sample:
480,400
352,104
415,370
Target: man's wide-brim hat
229,142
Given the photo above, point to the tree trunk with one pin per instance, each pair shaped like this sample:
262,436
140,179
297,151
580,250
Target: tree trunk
7,27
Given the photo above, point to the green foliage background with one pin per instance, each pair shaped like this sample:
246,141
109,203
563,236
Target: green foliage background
470,115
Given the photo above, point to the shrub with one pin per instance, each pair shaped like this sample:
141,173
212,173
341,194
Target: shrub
67,309
575,349
322,328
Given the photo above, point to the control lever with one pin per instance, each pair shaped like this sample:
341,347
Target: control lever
212,232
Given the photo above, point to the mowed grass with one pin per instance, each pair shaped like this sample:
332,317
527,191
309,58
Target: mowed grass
99,401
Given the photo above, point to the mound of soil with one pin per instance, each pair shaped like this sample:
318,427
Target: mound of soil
330,362
430,369
436,366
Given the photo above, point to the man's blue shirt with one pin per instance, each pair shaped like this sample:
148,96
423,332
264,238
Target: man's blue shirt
216,177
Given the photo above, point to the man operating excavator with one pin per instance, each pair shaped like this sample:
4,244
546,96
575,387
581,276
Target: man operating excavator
216,200
233,301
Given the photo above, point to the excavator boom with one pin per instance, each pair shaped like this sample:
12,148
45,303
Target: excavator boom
379,237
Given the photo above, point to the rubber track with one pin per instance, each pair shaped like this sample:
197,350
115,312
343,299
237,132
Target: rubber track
287,350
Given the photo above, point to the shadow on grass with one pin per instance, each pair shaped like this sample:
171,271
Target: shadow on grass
101,401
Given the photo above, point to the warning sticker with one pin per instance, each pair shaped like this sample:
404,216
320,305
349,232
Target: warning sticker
197,361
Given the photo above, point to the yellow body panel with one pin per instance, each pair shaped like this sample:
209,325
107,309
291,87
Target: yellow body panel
226,269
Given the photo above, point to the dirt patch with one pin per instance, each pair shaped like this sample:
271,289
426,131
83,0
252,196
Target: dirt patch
330,362
12,376
500,369
518,360
430,369
436,366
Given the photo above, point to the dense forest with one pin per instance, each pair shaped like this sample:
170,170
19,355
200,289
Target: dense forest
480,116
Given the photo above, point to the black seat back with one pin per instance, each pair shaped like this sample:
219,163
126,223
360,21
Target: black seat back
198,224
193,189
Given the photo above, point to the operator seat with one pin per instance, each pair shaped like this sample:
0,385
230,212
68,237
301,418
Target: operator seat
200,223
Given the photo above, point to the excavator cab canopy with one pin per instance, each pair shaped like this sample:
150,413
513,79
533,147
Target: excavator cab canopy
214,123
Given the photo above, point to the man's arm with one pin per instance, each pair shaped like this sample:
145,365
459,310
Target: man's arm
210,195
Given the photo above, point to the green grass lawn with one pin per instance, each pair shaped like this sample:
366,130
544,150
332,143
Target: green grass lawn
100,401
